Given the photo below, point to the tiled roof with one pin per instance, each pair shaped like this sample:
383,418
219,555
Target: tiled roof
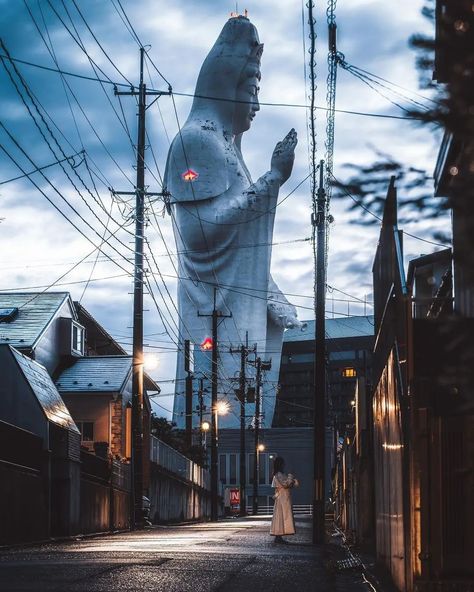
357,326
95,374
36,310
45,391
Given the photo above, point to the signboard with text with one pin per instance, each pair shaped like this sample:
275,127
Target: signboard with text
234,499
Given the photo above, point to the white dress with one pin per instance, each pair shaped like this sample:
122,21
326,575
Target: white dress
282,521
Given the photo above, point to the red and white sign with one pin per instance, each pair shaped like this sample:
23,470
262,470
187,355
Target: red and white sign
234,497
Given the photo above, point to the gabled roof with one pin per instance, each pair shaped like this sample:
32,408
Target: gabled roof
98,339
356,326
43,388
107,374
36,311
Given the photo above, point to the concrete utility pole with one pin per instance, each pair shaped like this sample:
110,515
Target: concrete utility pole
189,394
243,350
242,479
259,365
136,505
319,222
215,317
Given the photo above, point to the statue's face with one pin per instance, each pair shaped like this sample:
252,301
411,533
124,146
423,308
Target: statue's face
247,94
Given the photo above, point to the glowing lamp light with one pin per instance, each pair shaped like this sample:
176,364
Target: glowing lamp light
222,407
207,344
190,175
205,426
261,447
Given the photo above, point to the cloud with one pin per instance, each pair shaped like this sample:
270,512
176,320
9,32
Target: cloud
373,35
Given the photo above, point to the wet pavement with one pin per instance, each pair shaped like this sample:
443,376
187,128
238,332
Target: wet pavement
230,556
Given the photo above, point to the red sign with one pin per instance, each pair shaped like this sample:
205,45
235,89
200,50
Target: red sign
235,497
207,344
190,175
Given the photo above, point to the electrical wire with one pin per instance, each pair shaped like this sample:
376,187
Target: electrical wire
60,211
364,207
190,95
30,96
46,166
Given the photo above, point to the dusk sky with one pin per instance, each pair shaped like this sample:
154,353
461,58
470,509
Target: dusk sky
38,245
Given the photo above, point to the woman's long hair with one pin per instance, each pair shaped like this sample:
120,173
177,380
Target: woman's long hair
278,465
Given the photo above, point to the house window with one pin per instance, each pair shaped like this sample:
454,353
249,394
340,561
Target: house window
87,430
77,338
349,372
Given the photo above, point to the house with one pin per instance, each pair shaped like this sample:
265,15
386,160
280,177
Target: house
98,392
39,455
42,325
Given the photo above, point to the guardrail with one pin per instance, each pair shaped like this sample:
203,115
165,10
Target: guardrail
298,510
170,459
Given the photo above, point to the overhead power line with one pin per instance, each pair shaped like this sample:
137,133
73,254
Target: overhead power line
191,95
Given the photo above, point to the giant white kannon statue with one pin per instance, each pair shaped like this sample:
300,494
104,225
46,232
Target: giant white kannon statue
223,223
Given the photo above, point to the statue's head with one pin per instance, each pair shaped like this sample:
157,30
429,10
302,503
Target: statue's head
231,72
246,97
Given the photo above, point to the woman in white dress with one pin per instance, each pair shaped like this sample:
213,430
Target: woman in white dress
282,521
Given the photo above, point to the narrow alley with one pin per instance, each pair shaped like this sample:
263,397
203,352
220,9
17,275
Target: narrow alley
230,556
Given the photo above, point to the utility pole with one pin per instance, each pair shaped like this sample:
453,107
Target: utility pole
215,317
242,385
257,436
189,394
201,405
242,396
319,224
259,365
136,505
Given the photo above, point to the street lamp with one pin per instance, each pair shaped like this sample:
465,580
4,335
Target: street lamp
205,427
256,476
221,408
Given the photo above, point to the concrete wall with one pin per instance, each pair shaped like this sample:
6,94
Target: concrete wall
175,500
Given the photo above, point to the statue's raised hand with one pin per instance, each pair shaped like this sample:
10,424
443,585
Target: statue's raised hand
284,156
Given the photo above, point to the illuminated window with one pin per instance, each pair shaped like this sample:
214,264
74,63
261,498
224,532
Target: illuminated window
349,372
87,430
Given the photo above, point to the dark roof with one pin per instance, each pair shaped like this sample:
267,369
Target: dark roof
36,311
440,257
43,388
98,339
94,374
356,326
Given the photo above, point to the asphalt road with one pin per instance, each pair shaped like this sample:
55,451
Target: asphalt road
231,556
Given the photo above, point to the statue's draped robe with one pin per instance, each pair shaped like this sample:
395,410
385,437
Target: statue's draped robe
223,226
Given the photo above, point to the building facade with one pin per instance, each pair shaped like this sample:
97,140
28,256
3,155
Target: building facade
349,344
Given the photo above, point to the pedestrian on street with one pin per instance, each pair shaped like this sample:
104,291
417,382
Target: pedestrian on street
282,522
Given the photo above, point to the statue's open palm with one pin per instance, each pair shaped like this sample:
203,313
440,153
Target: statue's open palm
284,156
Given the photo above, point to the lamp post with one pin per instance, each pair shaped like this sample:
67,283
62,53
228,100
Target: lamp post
256,476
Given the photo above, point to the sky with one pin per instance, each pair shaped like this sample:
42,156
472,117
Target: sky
39,247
